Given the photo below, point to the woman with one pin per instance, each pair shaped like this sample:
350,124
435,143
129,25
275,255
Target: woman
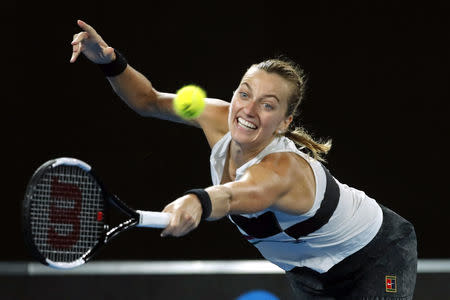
334,241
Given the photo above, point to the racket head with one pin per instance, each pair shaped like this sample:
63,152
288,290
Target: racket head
64,213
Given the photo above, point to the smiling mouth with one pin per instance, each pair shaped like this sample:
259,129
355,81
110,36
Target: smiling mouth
246,123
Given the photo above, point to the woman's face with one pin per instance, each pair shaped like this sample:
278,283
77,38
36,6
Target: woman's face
258,109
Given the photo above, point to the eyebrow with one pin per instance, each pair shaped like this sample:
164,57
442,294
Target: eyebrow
265,96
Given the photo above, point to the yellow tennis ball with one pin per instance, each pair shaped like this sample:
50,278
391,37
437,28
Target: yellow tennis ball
189,102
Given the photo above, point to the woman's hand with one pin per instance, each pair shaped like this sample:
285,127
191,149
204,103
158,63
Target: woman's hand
186,215
91,44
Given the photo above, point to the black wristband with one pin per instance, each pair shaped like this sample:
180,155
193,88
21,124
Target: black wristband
115,67
205,201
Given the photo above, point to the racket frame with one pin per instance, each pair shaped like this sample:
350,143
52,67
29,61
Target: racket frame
108,200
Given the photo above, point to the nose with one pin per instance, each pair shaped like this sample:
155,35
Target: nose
250,108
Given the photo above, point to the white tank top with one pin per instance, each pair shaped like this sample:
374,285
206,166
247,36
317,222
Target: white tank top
354,223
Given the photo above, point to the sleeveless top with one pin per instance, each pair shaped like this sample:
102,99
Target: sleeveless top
341,221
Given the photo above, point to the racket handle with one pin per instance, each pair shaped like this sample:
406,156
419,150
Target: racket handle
153,219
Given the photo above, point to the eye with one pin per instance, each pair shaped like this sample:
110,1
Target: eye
243,94
267,106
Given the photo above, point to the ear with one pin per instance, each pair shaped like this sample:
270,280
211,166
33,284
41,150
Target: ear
284,125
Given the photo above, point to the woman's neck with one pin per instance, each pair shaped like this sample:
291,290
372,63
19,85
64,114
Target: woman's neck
240,155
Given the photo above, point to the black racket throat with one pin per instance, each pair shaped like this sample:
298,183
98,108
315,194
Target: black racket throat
126,218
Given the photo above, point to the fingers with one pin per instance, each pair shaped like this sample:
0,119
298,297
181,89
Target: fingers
169,230
75,55
186,215
86,27
77,44
179,225
77,38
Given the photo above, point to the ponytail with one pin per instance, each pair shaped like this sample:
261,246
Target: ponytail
316,148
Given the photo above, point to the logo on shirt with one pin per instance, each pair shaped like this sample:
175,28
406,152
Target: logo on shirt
391,284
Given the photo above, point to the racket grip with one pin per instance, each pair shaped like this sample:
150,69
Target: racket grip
153,219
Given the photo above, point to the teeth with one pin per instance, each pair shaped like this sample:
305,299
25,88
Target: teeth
246,123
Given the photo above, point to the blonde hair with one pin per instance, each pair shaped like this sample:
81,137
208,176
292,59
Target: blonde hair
291,72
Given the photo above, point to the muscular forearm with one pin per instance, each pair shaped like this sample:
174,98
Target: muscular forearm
138,93
135,90
255,192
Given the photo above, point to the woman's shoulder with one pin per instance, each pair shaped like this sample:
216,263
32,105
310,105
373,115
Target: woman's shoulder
298,178
286,162
214,120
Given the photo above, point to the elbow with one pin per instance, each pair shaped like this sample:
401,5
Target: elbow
146,103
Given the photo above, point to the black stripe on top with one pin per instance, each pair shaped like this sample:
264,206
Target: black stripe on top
267,225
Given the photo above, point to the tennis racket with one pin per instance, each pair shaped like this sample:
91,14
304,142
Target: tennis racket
66,214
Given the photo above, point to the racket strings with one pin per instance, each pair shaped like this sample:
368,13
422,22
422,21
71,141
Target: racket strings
65,208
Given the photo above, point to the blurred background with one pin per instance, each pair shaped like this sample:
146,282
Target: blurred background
378,85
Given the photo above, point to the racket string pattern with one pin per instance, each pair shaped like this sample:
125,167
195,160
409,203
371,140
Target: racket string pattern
67,213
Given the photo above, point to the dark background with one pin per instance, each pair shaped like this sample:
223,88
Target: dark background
378,86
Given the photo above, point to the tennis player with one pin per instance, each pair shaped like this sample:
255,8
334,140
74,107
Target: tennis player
333,241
